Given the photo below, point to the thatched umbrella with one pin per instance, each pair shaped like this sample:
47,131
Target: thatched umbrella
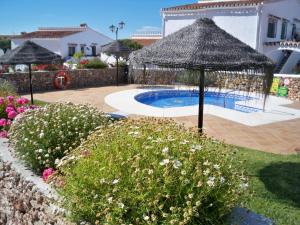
203,46
118,49
30,53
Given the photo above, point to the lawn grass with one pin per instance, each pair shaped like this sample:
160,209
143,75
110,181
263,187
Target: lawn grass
39,103
275,184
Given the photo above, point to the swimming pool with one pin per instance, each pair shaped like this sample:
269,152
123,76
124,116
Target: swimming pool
183,98
248,106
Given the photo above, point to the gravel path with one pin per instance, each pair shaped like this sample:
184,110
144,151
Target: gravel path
24,198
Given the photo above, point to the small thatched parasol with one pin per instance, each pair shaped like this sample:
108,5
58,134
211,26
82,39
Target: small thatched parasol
118,49
203,46
30,53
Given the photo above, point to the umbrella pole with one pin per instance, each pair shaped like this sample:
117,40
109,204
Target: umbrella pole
117,71
144,74
201,101
30,83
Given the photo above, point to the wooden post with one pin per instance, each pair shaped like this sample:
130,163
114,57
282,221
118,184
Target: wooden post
30,83
201,101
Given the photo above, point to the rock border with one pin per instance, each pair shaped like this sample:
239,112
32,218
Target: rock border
26,198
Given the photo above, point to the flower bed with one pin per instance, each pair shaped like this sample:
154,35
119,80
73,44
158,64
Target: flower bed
9,109
92,64
43,136
150,172
47,67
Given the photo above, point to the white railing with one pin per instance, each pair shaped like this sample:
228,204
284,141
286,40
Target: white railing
289,45
287,75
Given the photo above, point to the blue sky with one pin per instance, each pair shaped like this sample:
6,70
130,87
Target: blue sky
27,15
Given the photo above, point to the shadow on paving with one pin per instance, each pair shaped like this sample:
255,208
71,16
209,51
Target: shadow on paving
283,180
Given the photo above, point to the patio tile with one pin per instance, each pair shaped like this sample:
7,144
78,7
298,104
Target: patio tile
280,137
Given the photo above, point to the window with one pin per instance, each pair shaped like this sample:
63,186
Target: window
284,29
72,50
272,27
82,49
294,30
94,52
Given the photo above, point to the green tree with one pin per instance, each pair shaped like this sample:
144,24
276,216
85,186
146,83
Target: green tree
4,44
133,45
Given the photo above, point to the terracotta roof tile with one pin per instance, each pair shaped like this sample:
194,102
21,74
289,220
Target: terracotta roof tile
212,5
48,34
145,42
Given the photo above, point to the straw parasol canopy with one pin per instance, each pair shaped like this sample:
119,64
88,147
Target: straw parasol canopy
118,49
30,53
203,46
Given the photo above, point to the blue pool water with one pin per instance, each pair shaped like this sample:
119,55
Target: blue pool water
181,98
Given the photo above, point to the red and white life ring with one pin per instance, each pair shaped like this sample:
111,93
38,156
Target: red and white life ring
61,80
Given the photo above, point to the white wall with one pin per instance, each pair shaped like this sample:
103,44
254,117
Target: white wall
87,37
60,45
287,9
241,23
275,54
284,9
249,24
291,63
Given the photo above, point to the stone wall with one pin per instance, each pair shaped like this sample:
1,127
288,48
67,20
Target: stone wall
43,81
22,203
153,77
294,89
229,81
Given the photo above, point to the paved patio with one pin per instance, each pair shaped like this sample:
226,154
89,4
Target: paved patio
280,138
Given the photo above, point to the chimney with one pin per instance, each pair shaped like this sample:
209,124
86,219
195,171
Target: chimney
83,25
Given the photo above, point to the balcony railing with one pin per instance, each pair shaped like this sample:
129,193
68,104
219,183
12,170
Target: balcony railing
290,44
272,43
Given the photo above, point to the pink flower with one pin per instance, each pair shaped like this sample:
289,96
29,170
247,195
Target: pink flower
47,173
9,109
12,114
3,134
22,101
10,98
8,122
25,100
3,122
21,109
1,101
32,107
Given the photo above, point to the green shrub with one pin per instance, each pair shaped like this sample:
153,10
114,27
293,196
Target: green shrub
133,45
95,64
5,44
7,88
45,135
78,55
150,172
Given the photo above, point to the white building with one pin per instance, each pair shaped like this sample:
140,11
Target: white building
147,35
272,27
66,41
